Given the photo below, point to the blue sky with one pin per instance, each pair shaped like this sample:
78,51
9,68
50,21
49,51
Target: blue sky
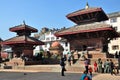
45,13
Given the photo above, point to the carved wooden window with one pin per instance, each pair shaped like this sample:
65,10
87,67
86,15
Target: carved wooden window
115,47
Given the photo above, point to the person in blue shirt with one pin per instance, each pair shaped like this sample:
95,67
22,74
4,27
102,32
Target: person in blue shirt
84,75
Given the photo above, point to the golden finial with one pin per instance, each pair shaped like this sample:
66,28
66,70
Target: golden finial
87,6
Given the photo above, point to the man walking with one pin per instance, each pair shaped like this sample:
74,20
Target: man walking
86,64
62,64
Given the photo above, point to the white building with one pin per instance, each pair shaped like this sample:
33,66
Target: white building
114,20
47,36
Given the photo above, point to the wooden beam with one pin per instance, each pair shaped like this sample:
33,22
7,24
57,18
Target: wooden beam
78,18
96,14
87,34
81,17
92,15
97,34
88,16
73,19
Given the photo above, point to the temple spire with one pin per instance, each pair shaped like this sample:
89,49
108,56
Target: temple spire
87,6
24,22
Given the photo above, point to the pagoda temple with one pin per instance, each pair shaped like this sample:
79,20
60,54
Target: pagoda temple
89,33
23,43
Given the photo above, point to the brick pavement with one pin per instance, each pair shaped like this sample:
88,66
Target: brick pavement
106,77
98,76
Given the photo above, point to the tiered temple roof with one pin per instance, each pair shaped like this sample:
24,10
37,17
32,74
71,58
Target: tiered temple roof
22,40
86,28
23,27
87,20
23,36
90,14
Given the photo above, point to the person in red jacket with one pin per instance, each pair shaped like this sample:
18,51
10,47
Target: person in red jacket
95,66
90,70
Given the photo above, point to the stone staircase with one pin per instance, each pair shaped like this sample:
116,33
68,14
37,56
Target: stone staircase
96,54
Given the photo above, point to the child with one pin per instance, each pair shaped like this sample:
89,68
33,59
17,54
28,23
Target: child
95,66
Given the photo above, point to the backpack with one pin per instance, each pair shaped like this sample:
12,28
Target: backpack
62,63
86,78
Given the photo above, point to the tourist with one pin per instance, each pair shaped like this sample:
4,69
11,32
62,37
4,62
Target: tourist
89,77
86,62
62,64
100,70
111,67
95,66
64,56
82,56
75,55
116,54
104,66
90,70
85,76
115,72
72,57
107,66
69,58
22,56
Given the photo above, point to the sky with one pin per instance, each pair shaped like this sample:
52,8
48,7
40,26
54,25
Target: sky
45,13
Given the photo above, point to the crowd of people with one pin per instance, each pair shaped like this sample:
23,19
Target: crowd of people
107,66
99,66
68,58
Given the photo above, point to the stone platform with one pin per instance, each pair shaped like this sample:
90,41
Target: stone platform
78,66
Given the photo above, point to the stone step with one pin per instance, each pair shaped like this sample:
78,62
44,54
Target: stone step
94,54
49,68
45,68
75,69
